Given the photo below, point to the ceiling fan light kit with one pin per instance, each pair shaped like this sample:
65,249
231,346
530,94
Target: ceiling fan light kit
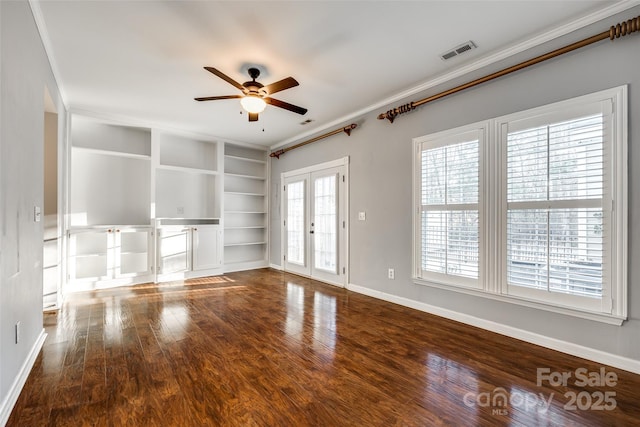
255,95
253,104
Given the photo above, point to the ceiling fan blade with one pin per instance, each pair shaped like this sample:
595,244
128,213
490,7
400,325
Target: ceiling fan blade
214,98
224,77
253,117
285,105
283,84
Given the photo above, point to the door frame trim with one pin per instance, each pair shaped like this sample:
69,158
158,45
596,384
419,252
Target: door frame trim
344,161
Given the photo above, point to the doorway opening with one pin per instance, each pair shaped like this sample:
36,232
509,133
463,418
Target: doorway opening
51,259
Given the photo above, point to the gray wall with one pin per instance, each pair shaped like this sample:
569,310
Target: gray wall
381,180
24,73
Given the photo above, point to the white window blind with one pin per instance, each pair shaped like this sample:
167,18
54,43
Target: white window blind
555,206
449,201
529,208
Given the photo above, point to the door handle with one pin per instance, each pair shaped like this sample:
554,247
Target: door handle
311,232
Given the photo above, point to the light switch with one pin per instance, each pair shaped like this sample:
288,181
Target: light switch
36,213
362,216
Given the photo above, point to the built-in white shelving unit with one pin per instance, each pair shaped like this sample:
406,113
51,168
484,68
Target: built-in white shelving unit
110,174
245,208
109,233
187,182
153,205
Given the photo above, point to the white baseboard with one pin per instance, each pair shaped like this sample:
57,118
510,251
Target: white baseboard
589,353
276,267
244,266
14,391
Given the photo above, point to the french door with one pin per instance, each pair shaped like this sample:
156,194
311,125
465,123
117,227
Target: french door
314,222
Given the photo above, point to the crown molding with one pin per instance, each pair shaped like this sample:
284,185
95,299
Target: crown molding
485,61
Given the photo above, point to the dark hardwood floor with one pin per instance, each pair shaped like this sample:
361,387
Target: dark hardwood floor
266,348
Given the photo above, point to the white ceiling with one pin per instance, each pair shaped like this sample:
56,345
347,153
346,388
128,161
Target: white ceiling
144,59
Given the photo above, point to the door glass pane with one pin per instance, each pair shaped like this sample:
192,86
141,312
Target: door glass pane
174,251
295,223
325,221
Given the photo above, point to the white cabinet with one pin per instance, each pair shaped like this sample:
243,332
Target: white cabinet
188,249
206,247
109,256
133,252
174,249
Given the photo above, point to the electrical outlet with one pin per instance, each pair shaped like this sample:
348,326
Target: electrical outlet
392,273
180,210
17,332
362,216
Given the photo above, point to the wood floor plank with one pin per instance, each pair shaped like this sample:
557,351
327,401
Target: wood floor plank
265,348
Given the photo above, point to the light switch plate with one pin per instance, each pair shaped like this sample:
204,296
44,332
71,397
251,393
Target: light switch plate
36,214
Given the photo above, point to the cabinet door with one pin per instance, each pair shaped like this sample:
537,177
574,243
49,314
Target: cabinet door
90,255
132,252
206,247
174,249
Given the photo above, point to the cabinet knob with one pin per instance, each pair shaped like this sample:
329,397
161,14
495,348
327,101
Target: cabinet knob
195,228
118,230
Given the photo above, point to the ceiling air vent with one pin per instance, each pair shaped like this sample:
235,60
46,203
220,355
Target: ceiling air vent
458,50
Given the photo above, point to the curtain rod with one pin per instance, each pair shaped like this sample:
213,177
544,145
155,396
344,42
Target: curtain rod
346,129
616,31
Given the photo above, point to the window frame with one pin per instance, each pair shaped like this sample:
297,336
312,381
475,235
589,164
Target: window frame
492,279
462,134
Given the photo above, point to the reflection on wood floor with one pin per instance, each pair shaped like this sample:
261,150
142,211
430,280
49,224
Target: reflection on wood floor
271,349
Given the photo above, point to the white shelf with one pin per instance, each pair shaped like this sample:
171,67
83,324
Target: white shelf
238,193
185,152
244,244
187,169
244,212
112,153
244,159
97,254
120,227
235,175
111,139
245,208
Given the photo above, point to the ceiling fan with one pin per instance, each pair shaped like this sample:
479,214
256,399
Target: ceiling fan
255,96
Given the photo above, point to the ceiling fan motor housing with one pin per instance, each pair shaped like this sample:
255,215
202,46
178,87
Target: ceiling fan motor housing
253,87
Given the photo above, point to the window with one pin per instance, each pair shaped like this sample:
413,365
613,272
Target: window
552,207
449,229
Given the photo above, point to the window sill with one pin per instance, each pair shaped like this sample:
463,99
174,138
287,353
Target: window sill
596,317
